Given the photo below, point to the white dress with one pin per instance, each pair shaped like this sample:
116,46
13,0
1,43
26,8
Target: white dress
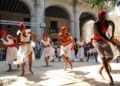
24,50
11,53
80,53
58,52
48,51
73,55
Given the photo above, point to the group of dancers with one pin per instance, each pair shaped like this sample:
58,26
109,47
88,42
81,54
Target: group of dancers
24,53
25,40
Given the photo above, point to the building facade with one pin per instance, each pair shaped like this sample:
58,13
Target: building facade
51,15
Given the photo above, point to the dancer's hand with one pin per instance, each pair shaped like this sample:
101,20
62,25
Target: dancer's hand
115,41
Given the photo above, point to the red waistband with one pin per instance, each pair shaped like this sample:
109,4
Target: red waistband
96,38
12,45
66,43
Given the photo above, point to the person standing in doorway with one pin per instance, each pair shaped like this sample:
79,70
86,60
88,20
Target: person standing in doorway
81,53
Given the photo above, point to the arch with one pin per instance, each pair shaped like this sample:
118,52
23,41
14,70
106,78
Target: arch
15,10
55,11
16,6
84,17
56,17
87,30
62,6
30,5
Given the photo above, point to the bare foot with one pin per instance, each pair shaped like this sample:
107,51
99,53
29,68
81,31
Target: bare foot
110,68
111,83
65,68
101,76
46,65
22,74
9,70
31,71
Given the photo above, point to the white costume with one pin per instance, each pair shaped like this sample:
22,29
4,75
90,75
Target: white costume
92,51
80,53
24,50
66,50
11,53
47,51
58,52
73,55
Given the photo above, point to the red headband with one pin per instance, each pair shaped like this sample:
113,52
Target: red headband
64,29
44,34
102,14
21,25
2,32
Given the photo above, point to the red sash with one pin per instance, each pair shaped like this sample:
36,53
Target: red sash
12,45
66,43
96,38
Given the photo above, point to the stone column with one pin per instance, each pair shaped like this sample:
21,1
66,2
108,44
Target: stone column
72,26
33,19
77,28
39,6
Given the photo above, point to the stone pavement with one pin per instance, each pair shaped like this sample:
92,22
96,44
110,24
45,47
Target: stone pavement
83,74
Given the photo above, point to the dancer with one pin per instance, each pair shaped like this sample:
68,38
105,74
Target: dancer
81,50
101,42
48,50
65,40
9,43
25,51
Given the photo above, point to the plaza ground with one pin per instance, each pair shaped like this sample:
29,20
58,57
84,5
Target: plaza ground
83,74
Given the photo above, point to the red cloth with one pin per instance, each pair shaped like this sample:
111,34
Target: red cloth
2,32
21,25
101,14
12,45
64,40
104,28
44,34
96,38
66,43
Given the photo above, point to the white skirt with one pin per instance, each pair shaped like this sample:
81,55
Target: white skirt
23,52
49,51
66,50
116,53
11,54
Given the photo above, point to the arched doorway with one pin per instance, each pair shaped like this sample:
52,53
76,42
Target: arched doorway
13,10
55,18
86,23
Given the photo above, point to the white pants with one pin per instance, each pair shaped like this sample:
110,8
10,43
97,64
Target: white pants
80,53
